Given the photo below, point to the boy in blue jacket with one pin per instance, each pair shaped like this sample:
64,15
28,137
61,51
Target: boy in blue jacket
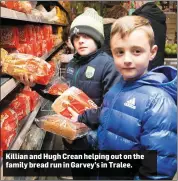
139,112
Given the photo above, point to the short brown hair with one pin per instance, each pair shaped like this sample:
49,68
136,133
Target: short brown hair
127,24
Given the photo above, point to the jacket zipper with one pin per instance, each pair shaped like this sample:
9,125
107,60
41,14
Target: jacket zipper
75,77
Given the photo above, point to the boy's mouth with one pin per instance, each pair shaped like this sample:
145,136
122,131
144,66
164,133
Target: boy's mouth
81,48
129,68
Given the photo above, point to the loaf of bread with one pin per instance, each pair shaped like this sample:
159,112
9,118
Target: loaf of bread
62,126
74,98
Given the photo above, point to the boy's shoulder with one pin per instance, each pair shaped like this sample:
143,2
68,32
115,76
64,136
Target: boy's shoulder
149,90
104,57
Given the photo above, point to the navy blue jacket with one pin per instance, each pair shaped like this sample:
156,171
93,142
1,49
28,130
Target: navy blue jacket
142,115
93,74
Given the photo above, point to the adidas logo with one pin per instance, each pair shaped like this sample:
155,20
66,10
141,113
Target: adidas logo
130,103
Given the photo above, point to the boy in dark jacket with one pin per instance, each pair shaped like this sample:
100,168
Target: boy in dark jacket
140,110
91,70
157,19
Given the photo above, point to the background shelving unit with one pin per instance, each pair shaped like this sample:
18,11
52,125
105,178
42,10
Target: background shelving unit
8,84
15,15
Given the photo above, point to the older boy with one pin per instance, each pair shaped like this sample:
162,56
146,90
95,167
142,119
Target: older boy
91,70
140,111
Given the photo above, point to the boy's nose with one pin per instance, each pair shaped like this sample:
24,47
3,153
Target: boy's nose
81,40
127,59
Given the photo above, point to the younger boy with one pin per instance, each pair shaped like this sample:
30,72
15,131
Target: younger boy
139,112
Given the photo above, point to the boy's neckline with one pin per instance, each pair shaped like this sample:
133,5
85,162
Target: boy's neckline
78,59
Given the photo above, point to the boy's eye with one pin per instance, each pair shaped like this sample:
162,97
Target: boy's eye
120,52
76,37
136,52
85,36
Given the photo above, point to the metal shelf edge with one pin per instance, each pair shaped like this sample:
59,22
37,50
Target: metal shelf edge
12,14
170,59
7,87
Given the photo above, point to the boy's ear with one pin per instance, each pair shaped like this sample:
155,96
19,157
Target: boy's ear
154,50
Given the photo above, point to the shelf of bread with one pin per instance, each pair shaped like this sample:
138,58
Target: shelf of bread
12,14
8,85
45,56
24,129
20,138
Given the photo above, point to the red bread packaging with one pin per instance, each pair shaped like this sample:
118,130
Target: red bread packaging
38,48
23,34
33,96
9,36
22,6
22,48
44,47
75,99
9,120
62,126
21,105
58,89
18,63
57,85
7,4
53,68
9,124
29,49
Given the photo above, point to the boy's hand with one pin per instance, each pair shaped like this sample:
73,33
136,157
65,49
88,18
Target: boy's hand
65,58
69,44
27,80
74,114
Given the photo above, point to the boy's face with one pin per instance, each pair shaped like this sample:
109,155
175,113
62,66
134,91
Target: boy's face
132,54
84,44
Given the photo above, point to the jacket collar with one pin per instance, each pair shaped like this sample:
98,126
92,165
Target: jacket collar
78,59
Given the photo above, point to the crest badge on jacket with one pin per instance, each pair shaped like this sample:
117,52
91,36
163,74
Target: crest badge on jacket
90,71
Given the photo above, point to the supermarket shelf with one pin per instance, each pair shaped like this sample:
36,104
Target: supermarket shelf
172,13
19,140
170,59
62,7
7,85
52,51
21,136
12,14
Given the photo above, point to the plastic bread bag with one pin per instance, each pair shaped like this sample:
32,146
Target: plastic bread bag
75,99
18,63
62,126
57,86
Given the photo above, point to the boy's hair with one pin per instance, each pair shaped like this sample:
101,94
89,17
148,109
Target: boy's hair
127,24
